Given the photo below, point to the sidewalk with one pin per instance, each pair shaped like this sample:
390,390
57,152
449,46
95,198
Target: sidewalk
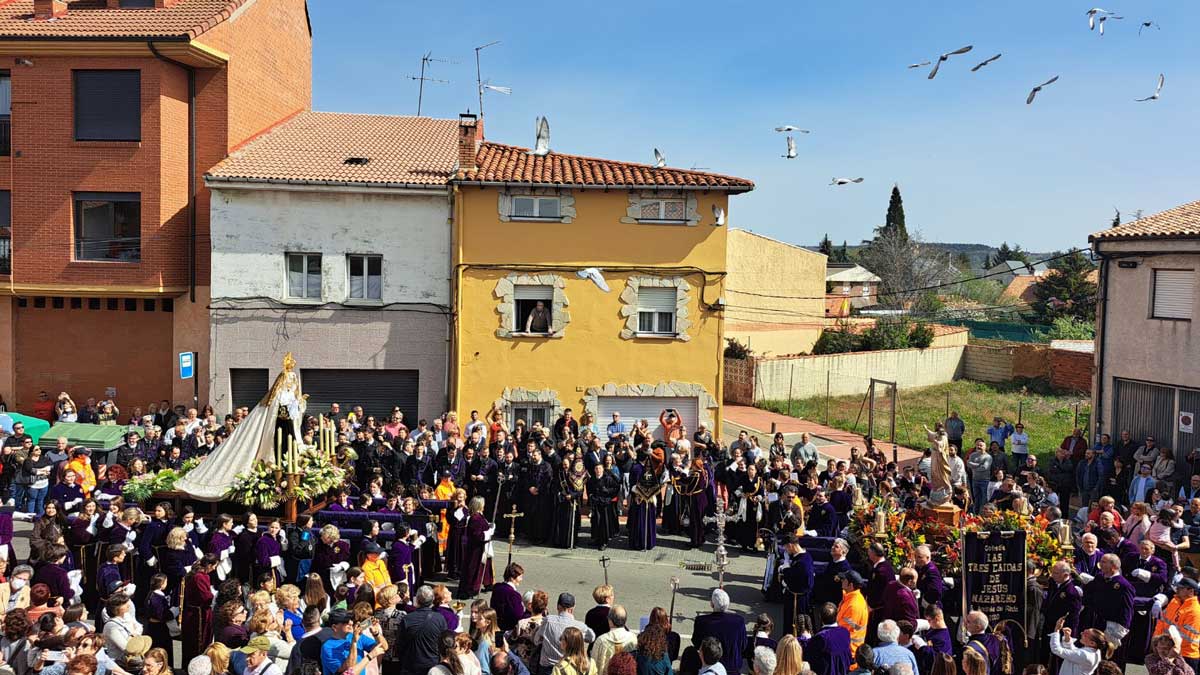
833,443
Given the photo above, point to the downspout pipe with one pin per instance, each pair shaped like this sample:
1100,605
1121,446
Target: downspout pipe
191,75
1098,409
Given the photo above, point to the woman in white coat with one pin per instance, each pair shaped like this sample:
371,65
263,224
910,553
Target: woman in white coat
1081,660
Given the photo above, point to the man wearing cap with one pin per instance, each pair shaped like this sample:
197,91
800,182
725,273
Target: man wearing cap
852,612
336,650
1181,620
728,628
552,628
258,660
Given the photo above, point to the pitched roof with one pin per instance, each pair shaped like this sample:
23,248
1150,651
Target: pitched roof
1021,287
91,19
850,274
313,148
499,163
1180,222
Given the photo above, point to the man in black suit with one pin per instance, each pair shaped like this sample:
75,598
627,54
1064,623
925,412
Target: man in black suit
728,628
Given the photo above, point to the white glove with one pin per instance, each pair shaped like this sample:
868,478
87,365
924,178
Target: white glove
73,503
810,533
91,529
188,527
458,513
174,612
200,526
1086,578
130,536
276,561
419,542
238,529
225,554
383,555
491,532
188,568
1143,575
150,561
918,642
1079,589
198,552
922,625
129,589
108,520
948,582
1160,600
917,593
343,566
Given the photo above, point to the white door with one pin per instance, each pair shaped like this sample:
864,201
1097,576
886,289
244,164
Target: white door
634,408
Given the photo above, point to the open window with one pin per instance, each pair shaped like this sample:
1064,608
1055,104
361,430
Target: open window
656,310
529,207
534,310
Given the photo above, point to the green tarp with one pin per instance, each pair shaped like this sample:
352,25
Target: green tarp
92,436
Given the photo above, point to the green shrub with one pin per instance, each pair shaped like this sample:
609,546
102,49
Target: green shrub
736,350
921,336
837,341
886,334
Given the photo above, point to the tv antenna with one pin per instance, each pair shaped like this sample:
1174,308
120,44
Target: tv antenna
479,75
426,61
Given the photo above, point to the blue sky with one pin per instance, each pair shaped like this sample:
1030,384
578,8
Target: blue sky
706,81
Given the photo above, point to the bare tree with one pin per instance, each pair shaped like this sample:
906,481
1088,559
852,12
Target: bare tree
906,266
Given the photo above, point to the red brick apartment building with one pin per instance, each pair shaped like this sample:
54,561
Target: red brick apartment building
111,111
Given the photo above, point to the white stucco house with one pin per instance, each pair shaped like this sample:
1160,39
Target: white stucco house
1147,351
331,239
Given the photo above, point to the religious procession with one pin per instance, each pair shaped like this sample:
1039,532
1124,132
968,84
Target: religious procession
407,555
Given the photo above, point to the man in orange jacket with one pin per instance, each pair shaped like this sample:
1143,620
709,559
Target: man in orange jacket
852,612
1181,620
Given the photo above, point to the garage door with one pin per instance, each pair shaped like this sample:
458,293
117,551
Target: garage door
377,391
247,386
634,408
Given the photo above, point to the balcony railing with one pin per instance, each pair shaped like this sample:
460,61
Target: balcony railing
5,135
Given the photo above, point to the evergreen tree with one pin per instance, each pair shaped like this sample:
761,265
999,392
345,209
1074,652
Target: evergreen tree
841,255
1066,291
1116,221
893,225
826,247
1005,253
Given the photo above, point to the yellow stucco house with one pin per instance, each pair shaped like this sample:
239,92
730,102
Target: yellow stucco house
587,284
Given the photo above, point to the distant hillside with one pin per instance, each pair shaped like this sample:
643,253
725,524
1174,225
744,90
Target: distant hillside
977,254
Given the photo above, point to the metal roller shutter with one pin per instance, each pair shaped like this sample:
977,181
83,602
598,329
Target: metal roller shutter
657,299
377,391
1174,291
247,386
1145,409
634,408
528,292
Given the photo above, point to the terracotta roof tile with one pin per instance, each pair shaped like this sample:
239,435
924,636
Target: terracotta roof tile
90,19
511,164
1021,287
313,148
1181,221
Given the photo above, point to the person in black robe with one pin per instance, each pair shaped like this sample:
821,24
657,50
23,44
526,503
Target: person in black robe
568,508
538,497
243,549
751,490
508,474
482,474
457,515
672,511
603,490
693,493
822,517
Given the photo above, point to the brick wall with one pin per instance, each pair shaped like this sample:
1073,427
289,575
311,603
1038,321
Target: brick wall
988,364
1031,361
739,381
1071,370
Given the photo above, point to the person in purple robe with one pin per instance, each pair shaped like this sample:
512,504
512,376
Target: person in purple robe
400,560
330,551
822,517
1087,558
176,559
797,578
442,599
341,503
828,651
476,563
268,552
899,601
929,577
727,627
1108,603
158,615
221,546
109,577
646,486
54,575
1147,571
506,598
985,642
66,493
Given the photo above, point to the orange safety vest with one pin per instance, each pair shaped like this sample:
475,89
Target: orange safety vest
1185,617
853,616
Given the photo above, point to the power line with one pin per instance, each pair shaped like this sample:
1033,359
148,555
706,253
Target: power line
908,290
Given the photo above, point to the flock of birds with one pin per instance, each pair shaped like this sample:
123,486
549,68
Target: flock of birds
1096,16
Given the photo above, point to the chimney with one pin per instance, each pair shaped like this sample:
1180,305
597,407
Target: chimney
44,10
470,133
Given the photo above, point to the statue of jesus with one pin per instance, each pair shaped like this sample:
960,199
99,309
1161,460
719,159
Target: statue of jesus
940,491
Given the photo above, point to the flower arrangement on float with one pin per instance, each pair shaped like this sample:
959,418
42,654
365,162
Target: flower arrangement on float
141,488
264,486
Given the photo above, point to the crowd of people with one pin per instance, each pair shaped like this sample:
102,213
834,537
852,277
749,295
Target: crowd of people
385,577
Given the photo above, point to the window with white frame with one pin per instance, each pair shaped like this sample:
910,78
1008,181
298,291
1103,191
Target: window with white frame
656,310
866,290
304,276
531,412
535,208
534,309
1173,294
663,210
366,276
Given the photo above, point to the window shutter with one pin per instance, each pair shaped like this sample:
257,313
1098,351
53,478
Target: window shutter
1173,293
657,299
108,105
528,292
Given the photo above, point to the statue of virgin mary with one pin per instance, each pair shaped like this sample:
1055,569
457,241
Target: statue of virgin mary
254,438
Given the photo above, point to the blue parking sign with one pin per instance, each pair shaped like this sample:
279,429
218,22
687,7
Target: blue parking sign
187,365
